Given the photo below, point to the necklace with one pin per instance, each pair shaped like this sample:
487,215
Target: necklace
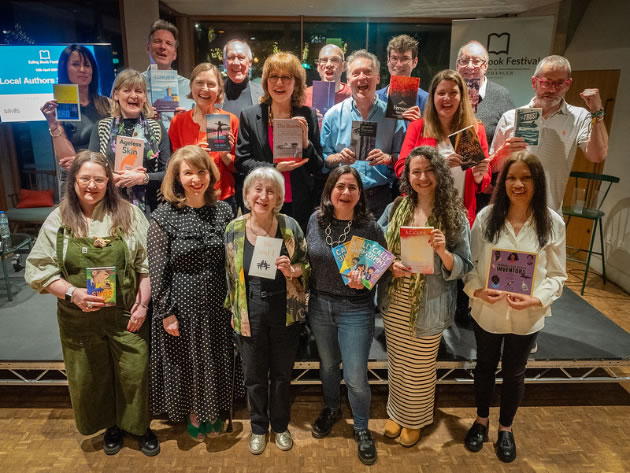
342,238
266,232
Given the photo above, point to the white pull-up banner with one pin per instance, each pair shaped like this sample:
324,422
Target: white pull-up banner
515,45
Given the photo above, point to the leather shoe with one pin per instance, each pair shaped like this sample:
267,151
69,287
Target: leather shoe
392,429
113,440
506,447
476,436
284,440
149,444
257,443
366,448
324,423
409,437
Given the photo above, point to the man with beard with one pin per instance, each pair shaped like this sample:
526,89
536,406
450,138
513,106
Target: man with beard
564,127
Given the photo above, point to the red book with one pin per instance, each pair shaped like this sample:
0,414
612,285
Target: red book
403,93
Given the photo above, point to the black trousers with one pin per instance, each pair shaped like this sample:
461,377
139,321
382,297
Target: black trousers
516,349
268,357
378,198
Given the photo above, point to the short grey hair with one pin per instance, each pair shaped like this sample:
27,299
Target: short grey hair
267,174
474,41
363,53
227,45
556,62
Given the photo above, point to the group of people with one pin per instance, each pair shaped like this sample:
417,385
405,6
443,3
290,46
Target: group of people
182,254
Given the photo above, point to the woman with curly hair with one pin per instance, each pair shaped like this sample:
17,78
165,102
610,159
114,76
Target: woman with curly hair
417,308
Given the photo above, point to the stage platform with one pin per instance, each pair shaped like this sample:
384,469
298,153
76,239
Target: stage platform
578,344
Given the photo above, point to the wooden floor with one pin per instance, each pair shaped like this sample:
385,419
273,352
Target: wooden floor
559,428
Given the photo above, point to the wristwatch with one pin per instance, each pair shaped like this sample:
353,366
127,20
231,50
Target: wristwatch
146,179
69,292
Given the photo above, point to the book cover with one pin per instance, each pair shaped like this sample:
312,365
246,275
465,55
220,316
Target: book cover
164,90
129,153
511,271
473,84
68,106
339,253
353,255
377,261
528,123
218,130
101,282
466,143
323,95
363,139
266,252
403,92
287,140
415,251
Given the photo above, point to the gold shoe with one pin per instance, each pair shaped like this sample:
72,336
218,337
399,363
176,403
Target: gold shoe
409,437
392,429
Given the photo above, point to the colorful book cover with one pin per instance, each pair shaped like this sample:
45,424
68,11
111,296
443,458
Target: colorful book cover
353,255
323,95
218,130
415,251
377,261
403,92
287,140
339,253
129,153
473,84
511,271
68,106
528,123
466,143
363,139
164,90
101,282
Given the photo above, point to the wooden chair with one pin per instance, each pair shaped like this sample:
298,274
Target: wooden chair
593,185
33,217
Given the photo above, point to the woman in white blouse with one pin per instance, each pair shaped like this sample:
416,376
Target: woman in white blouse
517,221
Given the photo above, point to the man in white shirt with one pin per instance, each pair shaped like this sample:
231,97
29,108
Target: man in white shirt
564,128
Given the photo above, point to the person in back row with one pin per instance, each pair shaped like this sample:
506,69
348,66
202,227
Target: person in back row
330,65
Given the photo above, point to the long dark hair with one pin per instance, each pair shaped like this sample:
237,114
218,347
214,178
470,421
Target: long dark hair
447,205
538,205
115,205
326,210
101,103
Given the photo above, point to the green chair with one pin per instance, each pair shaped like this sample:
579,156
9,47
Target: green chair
593,184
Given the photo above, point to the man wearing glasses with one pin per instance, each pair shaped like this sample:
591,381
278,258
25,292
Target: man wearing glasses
564,128
402,58
330,66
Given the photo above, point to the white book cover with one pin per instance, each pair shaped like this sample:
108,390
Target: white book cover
287,140
415,252
266,252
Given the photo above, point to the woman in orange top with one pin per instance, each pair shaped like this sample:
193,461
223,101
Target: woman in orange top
189,128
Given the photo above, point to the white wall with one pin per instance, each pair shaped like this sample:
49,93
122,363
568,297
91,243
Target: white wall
139,15
602,42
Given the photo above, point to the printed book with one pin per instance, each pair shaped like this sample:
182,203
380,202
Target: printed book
466,143
218,130
511,271
129,153
363,139
101,282
402,95
287,140
528,124
415,252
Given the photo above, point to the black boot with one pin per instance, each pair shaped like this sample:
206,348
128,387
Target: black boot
113,440
149,444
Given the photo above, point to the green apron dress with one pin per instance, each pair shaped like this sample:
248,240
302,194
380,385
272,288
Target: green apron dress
106,365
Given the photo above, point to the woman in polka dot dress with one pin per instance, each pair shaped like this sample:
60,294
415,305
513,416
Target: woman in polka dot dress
191,347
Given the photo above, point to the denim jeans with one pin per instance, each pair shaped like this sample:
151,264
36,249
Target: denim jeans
343,329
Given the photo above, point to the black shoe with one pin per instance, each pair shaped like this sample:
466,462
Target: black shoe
149,444
476,436
506,447
113,440
324,423
366,448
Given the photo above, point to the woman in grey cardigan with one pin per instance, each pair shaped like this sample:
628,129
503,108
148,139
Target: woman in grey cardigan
417,308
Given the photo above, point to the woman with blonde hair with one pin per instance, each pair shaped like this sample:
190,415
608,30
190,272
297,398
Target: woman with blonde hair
131,117
191,342
284,85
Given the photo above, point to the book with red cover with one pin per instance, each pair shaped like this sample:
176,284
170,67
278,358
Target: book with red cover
403,92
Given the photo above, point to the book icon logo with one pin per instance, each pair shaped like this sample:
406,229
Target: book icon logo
44,55
498,43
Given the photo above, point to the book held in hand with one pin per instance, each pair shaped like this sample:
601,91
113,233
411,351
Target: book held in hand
218,130
473,84
466,143
339,253
363,139
377,261
266,252
511,271
287,140
164,89
101,282
363,255
323,95
402,95
129,153
415,252
528,124
68,105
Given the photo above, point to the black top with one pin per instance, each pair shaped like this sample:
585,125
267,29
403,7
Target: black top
263,284
79,132
237,96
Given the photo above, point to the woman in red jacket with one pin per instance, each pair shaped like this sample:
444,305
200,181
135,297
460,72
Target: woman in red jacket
189,128
448,111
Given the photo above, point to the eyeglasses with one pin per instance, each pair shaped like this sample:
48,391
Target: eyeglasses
557,84
275,78
335,61
99,181
401,60
476,62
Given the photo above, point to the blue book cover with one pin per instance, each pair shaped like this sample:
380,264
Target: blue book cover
339,253
164,90
323,95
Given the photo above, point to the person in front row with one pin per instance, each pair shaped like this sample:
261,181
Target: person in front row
266,311
341,316
375,167
418,307
506,324
105,349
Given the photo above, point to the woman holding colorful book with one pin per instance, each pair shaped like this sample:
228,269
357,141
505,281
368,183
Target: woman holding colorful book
211,128
508,318
419,304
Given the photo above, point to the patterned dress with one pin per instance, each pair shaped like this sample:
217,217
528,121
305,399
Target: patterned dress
192,372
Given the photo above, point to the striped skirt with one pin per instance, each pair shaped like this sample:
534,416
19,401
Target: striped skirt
411,366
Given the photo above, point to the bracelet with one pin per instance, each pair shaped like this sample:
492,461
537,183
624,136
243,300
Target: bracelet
52,132
598,113
143,305
146,179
